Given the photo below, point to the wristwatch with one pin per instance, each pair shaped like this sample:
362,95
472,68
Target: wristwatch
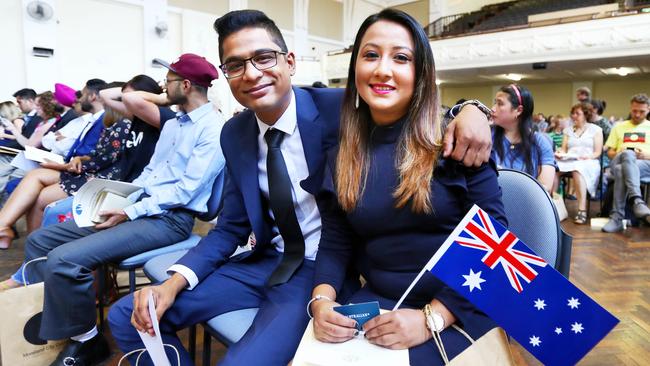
475,102
435,321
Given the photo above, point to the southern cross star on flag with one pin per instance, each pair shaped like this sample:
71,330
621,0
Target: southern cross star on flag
549,316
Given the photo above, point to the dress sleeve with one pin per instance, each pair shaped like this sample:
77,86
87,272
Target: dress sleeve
337,237
110,147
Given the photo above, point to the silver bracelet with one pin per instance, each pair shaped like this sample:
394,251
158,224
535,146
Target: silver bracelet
315,298
482,107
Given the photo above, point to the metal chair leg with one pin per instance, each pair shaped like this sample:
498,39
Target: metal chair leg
192,343
207,347
131,280
101,288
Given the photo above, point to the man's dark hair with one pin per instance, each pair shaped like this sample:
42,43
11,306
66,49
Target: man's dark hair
25,93
95,85
640,98
237,20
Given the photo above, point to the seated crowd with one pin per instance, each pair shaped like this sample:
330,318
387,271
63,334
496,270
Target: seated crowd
309,171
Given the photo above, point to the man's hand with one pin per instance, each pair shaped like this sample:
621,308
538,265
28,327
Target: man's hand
330,326
641,155
163,295
399,329
113,217
468,138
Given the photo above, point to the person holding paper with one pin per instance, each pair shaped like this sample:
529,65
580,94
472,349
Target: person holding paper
275,152
582,145
42,186
390,197
177,184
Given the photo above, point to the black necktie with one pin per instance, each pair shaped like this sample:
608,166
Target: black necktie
281,203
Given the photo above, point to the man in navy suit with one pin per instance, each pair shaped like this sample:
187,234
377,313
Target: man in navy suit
274,154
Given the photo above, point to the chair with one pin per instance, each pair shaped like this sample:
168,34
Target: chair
227,328
600,187
214,205
533,218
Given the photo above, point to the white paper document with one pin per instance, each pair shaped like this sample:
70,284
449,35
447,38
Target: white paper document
154,344
21,162
42,156
355,352
99,195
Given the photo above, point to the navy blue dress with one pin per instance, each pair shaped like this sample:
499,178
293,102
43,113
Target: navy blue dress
389,246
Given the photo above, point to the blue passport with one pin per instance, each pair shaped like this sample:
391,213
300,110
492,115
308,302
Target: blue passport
360,312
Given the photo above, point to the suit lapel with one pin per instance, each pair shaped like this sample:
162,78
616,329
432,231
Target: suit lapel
249,175
310,129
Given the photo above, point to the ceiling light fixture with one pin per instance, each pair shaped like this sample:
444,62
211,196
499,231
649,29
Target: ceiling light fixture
623,71
514,77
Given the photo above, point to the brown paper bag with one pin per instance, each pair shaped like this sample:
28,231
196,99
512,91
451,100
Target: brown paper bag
20,315
491,349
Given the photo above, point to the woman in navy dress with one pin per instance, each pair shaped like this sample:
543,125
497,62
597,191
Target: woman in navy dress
389,200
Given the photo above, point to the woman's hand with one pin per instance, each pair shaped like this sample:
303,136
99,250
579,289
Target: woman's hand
399,329
75,165
330,326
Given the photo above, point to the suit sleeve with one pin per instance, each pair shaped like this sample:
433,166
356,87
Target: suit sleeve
336,245
232,230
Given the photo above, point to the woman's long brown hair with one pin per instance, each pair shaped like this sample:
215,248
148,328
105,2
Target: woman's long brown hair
419,145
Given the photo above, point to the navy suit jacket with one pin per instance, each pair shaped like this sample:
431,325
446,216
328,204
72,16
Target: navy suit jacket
244,207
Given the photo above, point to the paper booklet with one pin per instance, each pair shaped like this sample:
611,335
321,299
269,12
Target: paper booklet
9,150
355,352
42,156
30,158
99,195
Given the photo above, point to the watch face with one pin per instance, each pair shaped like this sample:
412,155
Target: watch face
438,321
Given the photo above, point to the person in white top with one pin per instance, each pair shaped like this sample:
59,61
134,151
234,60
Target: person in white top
579,154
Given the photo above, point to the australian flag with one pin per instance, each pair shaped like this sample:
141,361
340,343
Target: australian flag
534,303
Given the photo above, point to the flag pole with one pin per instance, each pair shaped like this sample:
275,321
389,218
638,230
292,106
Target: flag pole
408,290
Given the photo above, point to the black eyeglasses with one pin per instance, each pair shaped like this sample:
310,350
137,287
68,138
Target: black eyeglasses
166,81
261,61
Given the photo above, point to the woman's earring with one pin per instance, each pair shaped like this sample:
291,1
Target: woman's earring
356,101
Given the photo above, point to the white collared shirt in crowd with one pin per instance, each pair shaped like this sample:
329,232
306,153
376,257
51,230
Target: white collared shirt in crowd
186,160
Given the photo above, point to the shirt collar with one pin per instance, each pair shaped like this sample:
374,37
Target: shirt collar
194,115
97,115
32,113
286,123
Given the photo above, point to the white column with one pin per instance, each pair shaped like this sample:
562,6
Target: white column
348,19
155,38
437,10
237,4
300,27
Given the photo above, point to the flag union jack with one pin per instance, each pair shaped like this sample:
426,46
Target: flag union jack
480,234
